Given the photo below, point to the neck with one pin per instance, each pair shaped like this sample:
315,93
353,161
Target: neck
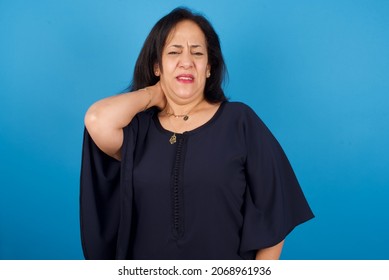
183,109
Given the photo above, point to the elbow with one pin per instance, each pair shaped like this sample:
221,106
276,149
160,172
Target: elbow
91,119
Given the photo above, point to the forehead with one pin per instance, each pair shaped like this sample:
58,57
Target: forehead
186,32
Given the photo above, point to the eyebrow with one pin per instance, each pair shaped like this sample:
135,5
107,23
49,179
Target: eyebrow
181,47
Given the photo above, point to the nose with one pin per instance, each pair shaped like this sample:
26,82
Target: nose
186,60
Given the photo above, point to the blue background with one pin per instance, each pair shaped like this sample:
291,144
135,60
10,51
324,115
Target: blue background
317,73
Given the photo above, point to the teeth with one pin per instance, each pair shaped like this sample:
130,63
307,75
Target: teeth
185,78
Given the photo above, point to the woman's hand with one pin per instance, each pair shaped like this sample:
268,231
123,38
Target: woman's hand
157,96
270,253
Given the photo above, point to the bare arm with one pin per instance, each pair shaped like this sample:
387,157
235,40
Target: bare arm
106,118
270,253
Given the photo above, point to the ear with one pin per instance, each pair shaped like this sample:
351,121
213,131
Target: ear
157,71
208,73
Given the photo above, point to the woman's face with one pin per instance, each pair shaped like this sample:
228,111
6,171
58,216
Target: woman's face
184,63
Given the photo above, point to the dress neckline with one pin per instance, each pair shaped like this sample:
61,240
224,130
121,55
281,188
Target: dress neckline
195,130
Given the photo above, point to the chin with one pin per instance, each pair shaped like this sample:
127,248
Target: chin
186,94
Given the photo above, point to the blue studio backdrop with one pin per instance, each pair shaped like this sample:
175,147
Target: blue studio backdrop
316,72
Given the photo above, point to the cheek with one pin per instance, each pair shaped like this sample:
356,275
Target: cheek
205,66
168,68
168,65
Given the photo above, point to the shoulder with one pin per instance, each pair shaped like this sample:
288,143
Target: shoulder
245,117
147,115
240,110
237,106
141,121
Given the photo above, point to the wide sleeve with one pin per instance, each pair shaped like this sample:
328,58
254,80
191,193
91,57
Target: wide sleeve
99,201
106,193
274,203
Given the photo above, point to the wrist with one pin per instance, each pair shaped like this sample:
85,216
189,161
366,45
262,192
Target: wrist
149,98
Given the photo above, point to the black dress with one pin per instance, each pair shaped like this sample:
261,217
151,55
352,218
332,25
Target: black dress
222,191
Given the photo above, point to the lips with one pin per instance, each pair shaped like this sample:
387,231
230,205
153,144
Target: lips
185,78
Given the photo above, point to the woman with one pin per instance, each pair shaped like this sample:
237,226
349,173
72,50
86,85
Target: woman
172,170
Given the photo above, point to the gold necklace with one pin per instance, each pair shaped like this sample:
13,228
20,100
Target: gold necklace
173,138
184,116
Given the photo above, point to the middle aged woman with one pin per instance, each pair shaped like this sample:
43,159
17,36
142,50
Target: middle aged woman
172,170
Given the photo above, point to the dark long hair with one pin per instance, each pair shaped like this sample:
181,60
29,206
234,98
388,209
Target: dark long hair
151,54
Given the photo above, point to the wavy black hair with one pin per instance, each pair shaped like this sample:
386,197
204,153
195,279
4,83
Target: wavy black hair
151,54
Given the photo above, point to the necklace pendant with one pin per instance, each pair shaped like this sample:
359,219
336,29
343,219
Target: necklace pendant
173,139
186,117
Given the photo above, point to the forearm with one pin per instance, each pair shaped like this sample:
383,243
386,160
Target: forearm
117,111
106,118
270,253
